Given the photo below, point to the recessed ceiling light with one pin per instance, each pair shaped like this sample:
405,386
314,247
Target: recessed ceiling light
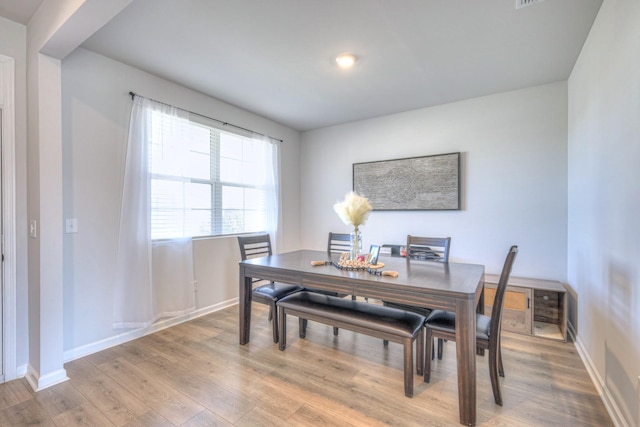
346,60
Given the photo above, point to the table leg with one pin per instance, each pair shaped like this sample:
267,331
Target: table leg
480,310
244,302
466,358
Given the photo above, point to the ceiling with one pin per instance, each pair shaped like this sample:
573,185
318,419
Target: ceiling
276,58
19,10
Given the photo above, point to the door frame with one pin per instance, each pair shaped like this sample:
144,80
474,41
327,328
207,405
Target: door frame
8,211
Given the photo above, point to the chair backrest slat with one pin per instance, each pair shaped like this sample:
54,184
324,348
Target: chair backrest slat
428,248
338,243
254,246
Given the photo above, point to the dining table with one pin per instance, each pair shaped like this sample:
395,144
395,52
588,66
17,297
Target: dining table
451,286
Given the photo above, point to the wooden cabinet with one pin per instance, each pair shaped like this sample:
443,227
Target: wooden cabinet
516,313
531,306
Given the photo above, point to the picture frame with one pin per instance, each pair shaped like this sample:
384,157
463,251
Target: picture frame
415,183
374,250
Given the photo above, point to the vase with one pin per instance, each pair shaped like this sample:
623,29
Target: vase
355,244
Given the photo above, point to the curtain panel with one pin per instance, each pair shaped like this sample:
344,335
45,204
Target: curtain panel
271,180
152,280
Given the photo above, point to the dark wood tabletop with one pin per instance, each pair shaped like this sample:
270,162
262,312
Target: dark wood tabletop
450,286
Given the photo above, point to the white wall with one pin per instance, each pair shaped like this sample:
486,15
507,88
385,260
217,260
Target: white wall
604,203
13,44
96,108
514,176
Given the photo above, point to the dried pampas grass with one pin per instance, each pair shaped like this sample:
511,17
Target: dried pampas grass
354,210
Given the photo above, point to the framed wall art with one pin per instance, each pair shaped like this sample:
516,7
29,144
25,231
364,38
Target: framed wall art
416,183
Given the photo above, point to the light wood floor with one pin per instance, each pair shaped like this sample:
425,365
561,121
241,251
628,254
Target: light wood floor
196,374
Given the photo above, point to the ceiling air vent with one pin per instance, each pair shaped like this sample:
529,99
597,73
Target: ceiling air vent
524,3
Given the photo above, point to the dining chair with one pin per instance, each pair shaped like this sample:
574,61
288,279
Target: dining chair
339,243
271,292
425,249
442,324
428,248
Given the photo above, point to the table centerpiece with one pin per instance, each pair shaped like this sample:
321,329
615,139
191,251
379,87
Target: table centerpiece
354,210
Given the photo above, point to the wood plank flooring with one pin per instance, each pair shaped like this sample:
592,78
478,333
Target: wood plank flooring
196,374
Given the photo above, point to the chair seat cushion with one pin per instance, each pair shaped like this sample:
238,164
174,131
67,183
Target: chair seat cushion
275,290
441,320
386,319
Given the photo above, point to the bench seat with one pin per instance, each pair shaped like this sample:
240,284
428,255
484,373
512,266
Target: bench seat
387,323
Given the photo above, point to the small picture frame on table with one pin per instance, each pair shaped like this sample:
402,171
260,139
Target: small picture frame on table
374,251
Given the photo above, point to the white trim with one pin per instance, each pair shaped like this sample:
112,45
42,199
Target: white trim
21,371
7,101
571,330
97,346
612,408
39,383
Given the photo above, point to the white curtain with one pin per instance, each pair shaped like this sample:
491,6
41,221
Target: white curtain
172,274
152,281
271,156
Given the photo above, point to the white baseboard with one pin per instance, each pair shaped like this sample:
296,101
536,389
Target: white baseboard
39,383
21,371
97,346
612,408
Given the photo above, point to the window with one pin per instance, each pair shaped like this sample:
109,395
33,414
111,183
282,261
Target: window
208,181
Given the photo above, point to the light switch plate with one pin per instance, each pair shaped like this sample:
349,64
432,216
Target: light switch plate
72,225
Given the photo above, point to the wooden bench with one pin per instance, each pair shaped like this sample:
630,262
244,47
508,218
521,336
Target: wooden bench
387,323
